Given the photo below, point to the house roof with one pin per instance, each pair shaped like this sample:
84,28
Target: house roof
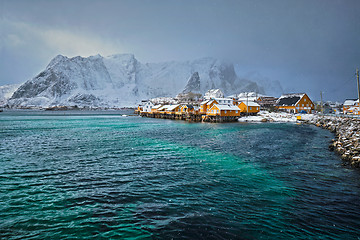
204,102
350,102
226,107
188,106
220,99
165,107
149,103
211,101
172,107
251,104
156,106
289,99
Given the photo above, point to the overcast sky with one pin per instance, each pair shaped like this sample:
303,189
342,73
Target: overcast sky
307,45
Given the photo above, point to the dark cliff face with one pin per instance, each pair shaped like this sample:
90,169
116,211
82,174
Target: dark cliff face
47,82
193,84
62,76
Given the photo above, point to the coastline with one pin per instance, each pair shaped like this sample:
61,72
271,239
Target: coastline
347,136
346,129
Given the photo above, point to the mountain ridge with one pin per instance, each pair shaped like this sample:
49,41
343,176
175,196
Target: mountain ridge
121,80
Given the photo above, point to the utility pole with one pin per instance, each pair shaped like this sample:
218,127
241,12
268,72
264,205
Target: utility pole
358,85
247,103
322,110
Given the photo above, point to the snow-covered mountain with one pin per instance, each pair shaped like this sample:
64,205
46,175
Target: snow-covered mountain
121,80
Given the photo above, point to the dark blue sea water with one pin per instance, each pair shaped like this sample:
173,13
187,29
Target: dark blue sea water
100,175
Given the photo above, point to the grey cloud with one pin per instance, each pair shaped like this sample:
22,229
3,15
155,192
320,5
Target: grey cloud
308,46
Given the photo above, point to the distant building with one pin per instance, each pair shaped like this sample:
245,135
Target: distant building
351,106
295,103
213,93
224,100
266,102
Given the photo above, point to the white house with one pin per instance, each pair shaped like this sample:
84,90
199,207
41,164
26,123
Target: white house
225,101
148,106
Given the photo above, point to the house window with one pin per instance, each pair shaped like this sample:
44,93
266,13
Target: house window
236,111
225,111
250,108
304,99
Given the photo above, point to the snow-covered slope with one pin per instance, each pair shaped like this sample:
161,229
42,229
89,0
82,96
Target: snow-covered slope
7,91
121,80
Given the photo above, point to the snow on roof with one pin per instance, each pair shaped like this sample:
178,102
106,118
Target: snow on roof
292,95
350,102
247,99
249,94
149,103
251,104
289,99
226,107
172,107
227,99
204,102
156,106
165,107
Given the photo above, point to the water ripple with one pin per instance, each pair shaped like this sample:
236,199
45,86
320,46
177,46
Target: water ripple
100,176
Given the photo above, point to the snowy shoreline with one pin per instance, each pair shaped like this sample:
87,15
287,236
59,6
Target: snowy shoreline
264,116
347,136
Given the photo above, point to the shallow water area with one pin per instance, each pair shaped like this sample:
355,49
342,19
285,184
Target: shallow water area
105,174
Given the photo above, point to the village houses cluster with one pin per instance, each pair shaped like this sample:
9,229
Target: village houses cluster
214,107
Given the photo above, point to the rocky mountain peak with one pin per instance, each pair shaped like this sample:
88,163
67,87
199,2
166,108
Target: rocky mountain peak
193,84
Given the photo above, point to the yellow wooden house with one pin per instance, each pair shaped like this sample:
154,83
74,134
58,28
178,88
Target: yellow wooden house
249,107
295,103
156,108
187,108
172,109
223,110
205,105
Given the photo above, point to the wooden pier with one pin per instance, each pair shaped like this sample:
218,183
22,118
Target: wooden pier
190,117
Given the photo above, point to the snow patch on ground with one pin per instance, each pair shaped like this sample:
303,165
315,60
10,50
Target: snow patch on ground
264,116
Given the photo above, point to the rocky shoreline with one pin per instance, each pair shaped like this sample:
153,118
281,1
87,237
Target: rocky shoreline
347,136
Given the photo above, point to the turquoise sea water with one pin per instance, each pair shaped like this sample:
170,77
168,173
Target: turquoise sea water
100,175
